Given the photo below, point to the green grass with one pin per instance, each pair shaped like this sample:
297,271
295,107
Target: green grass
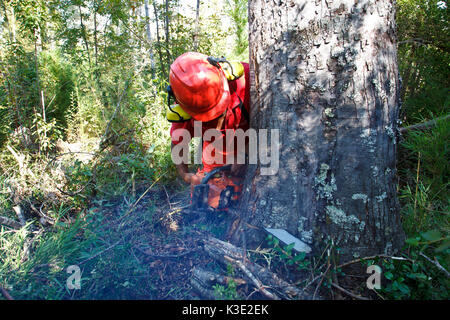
425,200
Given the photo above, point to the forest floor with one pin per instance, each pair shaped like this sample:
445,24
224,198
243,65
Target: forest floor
165,246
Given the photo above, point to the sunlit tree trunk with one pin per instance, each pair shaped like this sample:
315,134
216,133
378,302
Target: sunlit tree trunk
167,21
84,35
158,40
197,25
149,37
95,37
324,73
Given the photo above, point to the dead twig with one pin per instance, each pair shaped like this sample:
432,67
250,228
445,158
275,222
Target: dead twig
168,256
351,294
101,252
10,223
424,125
437,264
256,282
6,294
370,258
140,198
168,198
44,218
323,274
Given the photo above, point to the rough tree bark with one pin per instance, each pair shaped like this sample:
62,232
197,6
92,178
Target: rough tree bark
158,40
167,26
197,25
325,74
149,37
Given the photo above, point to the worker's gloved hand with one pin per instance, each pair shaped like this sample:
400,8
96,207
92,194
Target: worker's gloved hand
193,178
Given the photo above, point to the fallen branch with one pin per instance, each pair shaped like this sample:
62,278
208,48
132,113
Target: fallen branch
200,287
370,258
437,264
6,294
137,201
218,249
10,223
210,278
44,218
351,294
101,252
28,245
203,281
261,288
166,256
424,125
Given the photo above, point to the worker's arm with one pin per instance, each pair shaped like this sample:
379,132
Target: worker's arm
183,172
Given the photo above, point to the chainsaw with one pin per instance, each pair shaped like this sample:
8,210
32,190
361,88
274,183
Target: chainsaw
217,192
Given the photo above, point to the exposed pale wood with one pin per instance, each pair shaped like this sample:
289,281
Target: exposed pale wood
18,210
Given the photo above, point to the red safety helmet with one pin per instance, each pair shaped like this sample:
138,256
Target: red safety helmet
199,87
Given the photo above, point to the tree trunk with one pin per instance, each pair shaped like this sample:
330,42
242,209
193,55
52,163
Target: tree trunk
149,38
167,21
10,21
95,38
158,40
324,73
84,35
197,25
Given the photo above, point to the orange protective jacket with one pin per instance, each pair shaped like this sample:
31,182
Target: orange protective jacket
236,118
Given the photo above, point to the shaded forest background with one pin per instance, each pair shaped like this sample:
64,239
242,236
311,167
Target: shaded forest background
82,126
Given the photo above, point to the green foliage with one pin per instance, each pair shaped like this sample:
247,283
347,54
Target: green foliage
425,205
230,291
58,80
18,90
91,62
432,145
285,255
237,11
426,193
412,278
40,275
423,57
46,133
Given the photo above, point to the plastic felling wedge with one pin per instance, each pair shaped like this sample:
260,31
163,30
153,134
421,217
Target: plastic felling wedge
288,239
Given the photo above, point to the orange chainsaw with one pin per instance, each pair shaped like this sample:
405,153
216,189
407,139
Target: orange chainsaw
217,191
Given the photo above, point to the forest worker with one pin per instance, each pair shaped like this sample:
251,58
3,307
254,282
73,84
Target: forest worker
215,92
